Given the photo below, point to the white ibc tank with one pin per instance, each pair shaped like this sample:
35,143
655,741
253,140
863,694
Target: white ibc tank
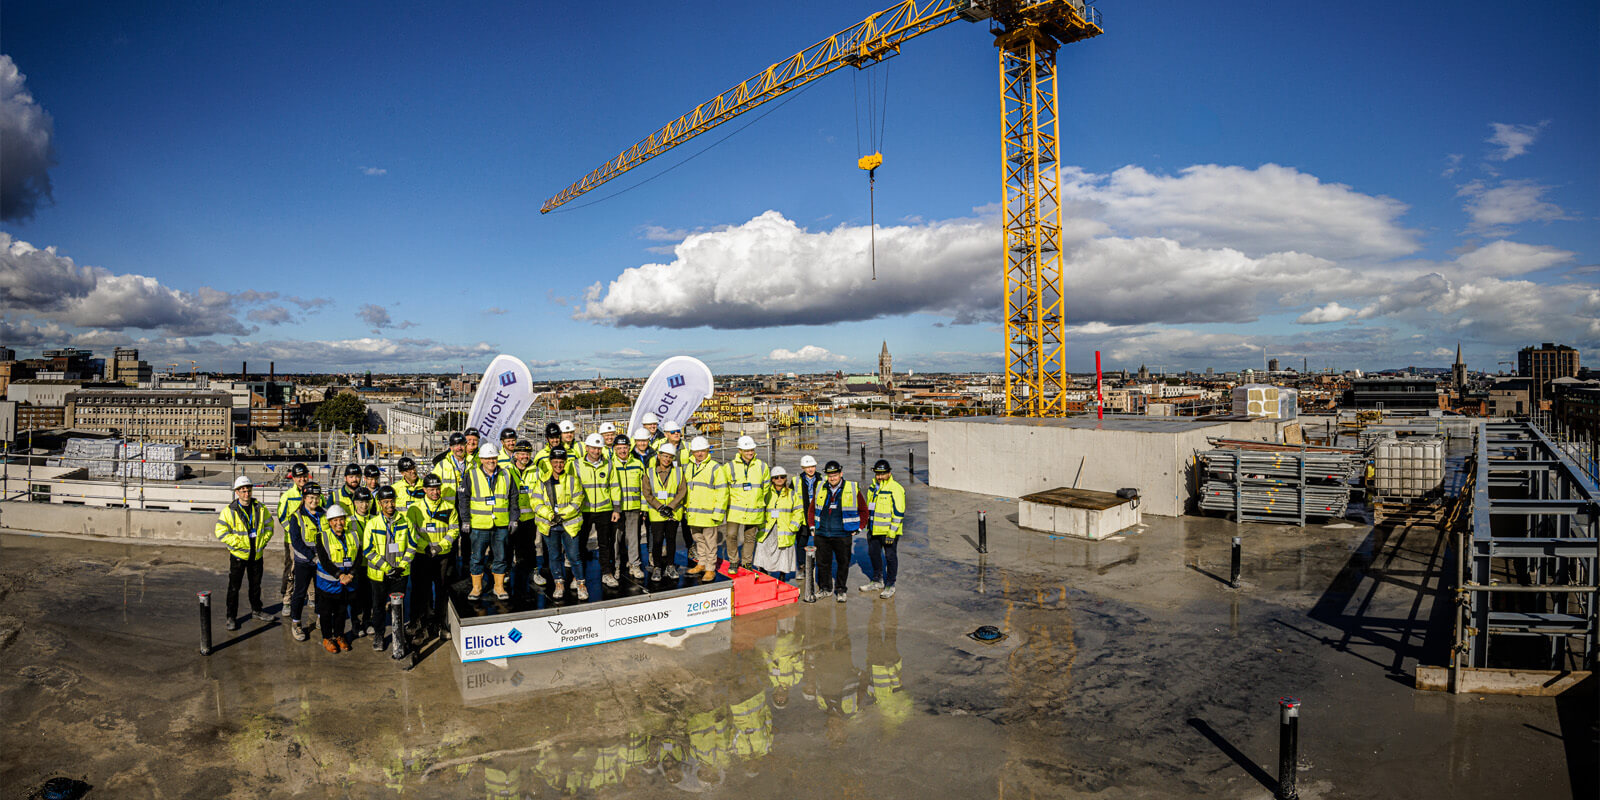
1408,467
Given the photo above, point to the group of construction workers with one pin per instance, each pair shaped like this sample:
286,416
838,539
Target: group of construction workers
495,512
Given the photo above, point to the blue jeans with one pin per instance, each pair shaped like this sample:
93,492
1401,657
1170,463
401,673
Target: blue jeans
562,543
880,549
495,540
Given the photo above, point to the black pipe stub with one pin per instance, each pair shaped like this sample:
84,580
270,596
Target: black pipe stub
987,634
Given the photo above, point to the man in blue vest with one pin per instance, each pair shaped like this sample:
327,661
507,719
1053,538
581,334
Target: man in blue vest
838,510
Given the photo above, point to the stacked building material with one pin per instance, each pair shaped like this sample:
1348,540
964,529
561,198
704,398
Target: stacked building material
97,455
153,462
1278,486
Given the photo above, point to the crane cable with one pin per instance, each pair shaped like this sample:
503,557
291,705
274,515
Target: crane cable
870,163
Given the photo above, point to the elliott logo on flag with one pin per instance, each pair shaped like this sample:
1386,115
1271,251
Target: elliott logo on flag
676,381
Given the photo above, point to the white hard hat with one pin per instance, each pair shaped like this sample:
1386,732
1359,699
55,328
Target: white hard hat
670,425
807,461
669,448
337,512
489,450
640,435
776,471
649,419
746,443
566,426
699,444
594,440
242,481
606,427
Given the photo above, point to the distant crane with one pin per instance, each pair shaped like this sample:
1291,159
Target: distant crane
1027,33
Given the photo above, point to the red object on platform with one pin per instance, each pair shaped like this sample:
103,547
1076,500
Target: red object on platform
757,591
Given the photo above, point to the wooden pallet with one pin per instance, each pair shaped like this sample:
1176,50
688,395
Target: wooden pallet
1412,511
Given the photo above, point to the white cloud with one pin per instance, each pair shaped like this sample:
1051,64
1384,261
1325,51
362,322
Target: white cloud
1452,165
807,354
1502,258
23,331
27,147
1513,140
270,315
1510,203
1332,312
40,280
375,316
495,311
373,171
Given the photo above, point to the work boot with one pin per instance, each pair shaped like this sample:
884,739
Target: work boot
500,587
559,591
886,593
635,572
262,616
477,587
747,565
655,575
300,634
232,624
344,643
872,586
609,581
583,590
330,646
672,572
708,576
694,570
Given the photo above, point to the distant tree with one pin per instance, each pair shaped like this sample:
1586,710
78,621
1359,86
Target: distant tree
451,421
605,399
342,411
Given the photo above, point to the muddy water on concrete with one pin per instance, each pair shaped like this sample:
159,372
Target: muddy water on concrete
1130,670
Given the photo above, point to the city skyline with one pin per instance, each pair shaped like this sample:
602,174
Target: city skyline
248,186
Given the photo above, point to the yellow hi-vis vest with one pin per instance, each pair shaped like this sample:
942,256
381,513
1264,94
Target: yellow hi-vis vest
630,474
707,503
490,505
519,482
886,501
747,490
434,523
782,516
245,531
407,495
388,544
599,485
663,492
559,505
450,474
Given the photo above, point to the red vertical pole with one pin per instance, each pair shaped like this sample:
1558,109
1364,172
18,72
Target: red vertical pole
1099,394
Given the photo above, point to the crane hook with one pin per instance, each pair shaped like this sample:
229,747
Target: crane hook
870,163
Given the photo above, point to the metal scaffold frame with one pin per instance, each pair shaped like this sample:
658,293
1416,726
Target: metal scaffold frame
1526,557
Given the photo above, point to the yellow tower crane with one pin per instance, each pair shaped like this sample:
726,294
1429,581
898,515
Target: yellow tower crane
1027,33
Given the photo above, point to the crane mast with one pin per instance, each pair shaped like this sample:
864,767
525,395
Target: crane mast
1027,33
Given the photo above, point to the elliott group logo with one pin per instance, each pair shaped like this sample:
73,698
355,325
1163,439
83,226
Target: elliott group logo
675,381
508,378
515,636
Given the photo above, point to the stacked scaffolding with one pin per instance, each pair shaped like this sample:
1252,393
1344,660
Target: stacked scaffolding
1279,487
1529,547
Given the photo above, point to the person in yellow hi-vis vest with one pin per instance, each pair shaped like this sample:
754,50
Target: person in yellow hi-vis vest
526,543
600,497
781,520
489,508
664,493
389,546
558,511
245,526
706,507
434,523
886,503
628,472
452,467
746,477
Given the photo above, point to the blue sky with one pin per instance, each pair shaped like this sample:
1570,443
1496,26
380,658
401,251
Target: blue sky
359,186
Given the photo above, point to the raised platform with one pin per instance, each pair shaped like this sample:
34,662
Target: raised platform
1083,513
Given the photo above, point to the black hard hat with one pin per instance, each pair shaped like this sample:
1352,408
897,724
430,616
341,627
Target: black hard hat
371,471
311,487
407,464
385,493
298,470
431,481
508,433
552,431
558,452
522,446
456,438
622,440
352,469
363,494
881,465
470,432
833,466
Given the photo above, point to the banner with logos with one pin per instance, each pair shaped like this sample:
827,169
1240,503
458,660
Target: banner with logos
582,627
493,681
503,399
673,392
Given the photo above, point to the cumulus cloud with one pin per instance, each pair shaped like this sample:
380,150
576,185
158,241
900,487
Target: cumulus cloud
1332,312
375,316
27,148
270,315
1494,208
808,354
23,332
1513,140
40,280
310,304
342,355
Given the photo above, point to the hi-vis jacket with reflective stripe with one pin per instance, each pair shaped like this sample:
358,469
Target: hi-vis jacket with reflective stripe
519,484
337,554
340,495
245,530
600,490
407,495
707,503
782,516
748,487
557,500
664,492
434,523
388,544
887,500
630,477
303,530
846,499
288,503
490,504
